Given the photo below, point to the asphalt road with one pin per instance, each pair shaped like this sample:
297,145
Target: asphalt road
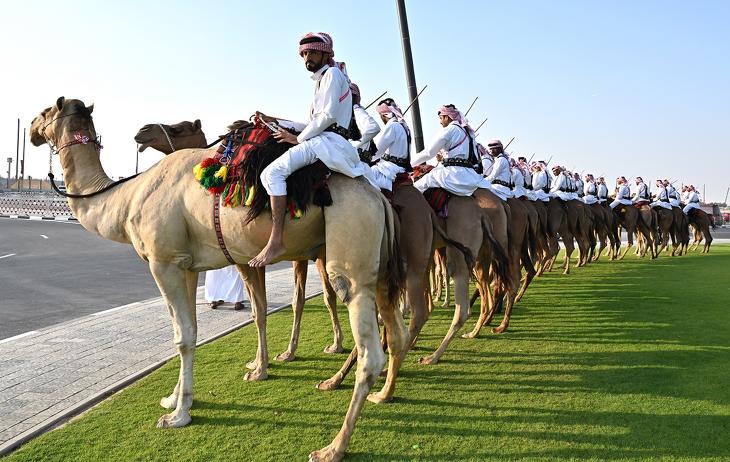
53,271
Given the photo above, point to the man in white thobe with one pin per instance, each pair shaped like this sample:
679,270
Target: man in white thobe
393,144
501,175
367,126
691,200
561,185
623,195
456,173
590,190
662,197
324,137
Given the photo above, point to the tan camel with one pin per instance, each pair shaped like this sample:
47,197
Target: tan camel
700,222
185,135
629,218
166,216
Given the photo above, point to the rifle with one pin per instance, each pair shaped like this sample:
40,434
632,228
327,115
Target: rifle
472,105
533,155
510,142
376,99
480,125
414,99
548,161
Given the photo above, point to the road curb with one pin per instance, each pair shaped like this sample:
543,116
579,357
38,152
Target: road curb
90,402
37,217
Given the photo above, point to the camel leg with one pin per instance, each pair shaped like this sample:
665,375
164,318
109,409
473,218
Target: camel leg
255,281
397,337
297,305
508,305
418,300
460,275
370,360
330,300
569,247
486,300
174,284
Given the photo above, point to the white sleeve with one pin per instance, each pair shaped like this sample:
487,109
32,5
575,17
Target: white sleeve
437,144
367,125
332,85
384,139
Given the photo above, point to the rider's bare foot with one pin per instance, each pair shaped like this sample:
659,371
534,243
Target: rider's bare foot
267,254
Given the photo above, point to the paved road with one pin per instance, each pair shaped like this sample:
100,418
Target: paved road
53,271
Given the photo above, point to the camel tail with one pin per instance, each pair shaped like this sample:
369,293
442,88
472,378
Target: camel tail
500,261
396,273
532,232
526,260
468,255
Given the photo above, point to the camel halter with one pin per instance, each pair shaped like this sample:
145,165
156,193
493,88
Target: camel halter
169,140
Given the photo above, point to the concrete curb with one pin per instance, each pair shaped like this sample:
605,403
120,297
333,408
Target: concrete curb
38,217
87,404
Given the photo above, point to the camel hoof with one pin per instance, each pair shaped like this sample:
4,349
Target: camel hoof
499,329
469,335
285,357
169,402
379,398
428,360
174,420
252,365
329,384
255,376
334,349
326,454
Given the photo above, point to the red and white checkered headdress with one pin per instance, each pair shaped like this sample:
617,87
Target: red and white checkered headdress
317,41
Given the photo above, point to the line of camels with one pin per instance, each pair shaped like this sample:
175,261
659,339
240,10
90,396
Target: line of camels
403,257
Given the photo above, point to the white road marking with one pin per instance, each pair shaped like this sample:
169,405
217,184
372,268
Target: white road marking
44,236
19,336
6,256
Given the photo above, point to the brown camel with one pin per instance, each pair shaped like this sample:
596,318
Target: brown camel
602,221
167,217
665,224
629,218
700,221
680,230
170,138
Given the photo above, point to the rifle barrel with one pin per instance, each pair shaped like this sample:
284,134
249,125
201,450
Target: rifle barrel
376,99
414,99
472,105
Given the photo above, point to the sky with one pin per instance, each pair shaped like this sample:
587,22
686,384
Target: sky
611,88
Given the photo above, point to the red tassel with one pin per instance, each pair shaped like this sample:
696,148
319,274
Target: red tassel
208,162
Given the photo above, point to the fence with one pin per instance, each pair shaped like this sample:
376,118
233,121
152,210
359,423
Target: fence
34,203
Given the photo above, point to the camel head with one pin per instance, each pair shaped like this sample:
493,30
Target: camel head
169,138
66,116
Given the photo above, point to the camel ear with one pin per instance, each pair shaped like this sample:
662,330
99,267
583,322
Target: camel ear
59,103
90,108
196,124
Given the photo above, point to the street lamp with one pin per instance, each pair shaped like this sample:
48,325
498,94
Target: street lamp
10,162
410,75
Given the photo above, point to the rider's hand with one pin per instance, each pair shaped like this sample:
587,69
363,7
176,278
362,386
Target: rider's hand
286,137
264,117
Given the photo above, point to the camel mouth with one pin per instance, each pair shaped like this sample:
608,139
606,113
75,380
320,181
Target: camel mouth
142,146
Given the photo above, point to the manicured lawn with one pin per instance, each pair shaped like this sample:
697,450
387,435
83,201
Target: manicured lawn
618,361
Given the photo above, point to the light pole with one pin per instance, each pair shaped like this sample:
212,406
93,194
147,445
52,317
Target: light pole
10,162
410,74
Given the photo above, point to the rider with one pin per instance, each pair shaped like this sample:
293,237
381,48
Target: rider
662,197
324,137
500,177
602,190
393,145
641,196
590,190
692,200
366,125
623,193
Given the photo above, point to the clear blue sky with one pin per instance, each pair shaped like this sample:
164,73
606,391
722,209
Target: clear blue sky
614,88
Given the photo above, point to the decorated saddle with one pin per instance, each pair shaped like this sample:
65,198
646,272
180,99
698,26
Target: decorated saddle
234,173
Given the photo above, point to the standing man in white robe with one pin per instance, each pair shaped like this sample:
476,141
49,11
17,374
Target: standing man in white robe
224,286
324,137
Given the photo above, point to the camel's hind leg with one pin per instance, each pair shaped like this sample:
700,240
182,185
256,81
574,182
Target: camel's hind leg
297,305
255,281
178,288
330,300
460,274
486,300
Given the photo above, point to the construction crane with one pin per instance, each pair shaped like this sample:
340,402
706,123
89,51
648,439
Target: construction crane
726,193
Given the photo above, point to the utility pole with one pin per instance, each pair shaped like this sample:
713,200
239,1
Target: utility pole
410,74
22,165
7,180
17,153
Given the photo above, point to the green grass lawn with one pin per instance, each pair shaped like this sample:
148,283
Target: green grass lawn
621,360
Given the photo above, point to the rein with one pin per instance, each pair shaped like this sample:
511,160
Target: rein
164,132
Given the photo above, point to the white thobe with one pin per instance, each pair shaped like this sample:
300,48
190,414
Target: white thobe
641,194
487,165
692,201
332,104
589,193
392,141
623,196
662,199
367,125
518,183
501,173
673,196
602,193
224,284
461,181
539,182
560,188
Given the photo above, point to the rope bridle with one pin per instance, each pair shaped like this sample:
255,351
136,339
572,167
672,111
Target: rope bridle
169,140
78,138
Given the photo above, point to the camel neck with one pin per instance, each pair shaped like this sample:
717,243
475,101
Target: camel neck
83,174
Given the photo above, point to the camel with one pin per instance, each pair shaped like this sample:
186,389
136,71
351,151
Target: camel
665,223
629,218
604,229
680,230
700,222
186,135
170,138
166,216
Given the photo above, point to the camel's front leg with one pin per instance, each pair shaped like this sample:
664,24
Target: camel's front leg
370,361
486,300
330,300
297,305
255,281
175,286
